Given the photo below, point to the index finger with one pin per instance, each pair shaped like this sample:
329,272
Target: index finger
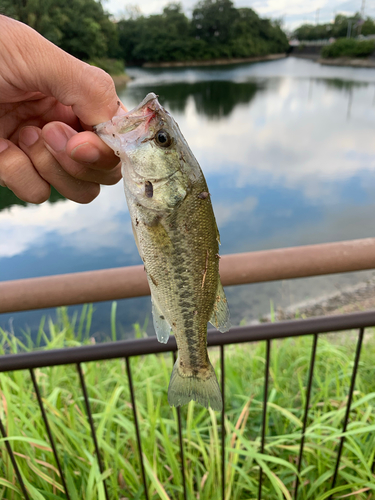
90,91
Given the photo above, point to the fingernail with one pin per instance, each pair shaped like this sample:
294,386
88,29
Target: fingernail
3,145
28,136
85,152
55,138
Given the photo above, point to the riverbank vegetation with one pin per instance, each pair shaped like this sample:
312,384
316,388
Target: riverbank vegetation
216,30
347,47
113,419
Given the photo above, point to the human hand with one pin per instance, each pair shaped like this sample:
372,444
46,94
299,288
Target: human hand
49,101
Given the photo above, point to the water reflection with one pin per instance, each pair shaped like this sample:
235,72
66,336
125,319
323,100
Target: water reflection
284,164
213,99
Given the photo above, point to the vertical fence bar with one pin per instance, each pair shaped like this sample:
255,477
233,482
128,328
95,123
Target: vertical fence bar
130,380
222,364
181,441
91,422
264,417
13,460
308,394
349,403
48,429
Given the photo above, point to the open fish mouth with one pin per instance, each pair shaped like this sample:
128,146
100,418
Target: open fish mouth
142,115
133,128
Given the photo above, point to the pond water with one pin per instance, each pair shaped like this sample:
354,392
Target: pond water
288,151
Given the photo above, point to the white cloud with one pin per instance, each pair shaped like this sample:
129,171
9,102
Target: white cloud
225,213
23,227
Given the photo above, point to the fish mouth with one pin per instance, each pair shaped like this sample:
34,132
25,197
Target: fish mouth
140,118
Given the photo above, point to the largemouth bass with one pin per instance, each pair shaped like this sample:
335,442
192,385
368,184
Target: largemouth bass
177,237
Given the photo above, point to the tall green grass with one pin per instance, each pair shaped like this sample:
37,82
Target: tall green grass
113,418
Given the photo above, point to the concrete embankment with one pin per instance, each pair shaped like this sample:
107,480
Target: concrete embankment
357,298
312,52
214,62
346,61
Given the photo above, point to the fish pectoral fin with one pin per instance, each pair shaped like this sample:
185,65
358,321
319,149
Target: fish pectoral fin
161,325
220,317
136,239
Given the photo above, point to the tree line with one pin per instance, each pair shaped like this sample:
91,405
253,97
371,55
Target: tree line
216,30
340,28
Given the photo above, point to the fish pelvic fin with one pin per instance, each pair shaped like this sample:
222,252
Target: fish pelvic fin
161,325
201,387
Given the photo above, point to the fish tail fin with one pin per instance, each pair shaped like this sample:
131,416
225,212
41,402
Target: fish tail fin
201,387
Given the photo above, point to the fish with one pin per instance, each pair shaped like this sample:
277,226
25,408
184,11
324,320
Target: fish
178,240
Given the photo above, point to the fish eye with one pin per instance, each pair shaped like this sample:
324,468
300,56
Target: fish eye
163,139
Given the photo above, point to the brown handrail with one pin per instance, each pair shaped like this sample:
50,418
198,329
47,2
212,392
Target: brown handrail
235,269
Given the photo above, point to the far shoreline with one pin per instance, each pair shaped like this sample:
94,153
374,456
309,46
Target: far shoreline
214,62
339,61
347,61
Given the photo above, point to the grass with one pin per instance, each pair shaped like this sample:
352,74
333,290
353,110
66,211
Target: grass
112,412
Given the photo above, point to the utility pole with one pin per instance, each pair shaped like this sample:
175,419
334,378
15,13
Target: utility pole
362,19
317,16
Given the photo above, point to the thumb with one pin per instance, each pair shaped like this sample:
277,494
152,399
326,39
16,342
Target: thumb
37,65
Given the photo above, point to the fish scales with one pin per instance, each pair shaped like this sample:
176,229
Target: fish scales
175,270
176,234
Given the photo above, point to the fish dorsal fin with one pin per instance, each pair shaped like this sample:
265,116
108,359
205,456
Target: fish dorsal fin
161,325
220,317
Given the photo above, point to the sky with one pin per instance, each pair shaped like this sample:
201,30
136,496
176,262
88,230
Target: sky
293,12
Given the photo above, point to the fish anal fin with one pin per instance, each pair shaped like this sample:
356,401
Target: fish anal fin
161,325
220,317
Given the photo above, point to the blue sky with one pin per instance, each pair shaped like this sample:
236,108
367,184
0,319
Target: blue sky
294,12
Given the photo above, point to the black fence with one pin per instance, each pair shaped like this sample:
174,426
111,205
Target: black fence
126,349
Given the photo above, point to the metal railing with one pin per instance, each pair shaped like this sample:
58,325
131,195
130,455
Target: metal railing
127,349
112,284
235,269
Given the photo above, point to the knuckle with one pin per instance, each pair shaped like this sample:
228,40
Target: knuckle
102,80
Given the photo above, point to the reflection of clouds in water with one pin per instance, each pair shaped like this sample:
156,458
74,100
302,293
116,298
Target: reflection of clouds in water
336,224
290,67
310,146
229,212
102,221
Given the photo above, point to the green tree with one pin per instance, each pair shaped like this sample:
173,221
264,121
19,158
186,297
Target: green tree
80,27
337,29
161,37
368,27
213,20
217,30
